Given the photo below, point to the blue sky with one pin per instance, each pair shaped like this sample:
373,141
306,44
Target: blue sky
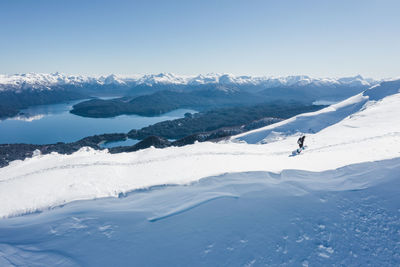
318,38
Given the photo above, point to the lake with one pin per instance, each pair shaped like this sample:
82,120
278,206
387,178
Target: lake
54,123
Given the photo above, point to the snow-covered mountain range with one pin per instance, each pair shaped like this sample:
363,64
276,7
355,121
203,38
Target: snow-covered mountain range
48,81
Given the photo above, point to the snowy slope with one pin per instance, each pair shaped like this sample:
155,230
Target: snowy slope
316,121
46,81
361,129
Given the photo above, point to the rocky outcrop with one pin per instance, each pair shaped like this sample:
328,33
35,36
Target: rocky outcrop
155,141
10,152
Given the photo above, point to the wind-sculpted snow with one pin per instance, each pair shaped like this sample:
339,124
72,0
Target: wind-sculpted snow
292,182
347,216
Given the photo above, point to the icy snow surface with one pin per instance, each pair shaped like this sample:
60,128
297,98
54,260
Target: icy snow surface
245,202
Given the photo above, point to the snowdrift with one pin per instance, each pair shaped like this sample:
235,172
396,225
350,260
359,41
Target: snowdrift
347,216
361,129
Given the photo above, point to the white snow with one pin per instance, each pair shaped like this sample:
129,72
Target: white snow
314,122
357,130
42,81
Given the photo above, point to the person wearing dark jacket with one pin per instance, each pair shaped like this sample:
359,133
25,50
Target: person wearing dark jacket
300,141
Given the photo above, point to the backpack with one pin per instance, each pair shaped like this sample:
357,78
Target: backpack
301,140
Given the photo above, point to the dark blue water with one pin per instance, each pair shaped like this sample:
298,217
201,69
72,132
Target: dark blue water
127,142
53,123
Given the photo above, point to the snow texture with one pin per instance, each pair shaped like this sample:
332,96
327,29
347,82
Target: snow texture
343,217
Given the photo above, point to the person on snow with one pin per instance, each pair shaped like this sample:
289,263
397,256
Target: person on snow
300,141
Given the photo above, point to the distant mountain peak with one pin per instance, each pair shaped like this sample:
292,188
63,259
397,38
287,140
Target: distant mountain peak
114,79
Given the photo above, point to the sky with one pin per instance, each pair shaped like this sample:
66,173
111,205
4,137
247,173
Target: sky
319,38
